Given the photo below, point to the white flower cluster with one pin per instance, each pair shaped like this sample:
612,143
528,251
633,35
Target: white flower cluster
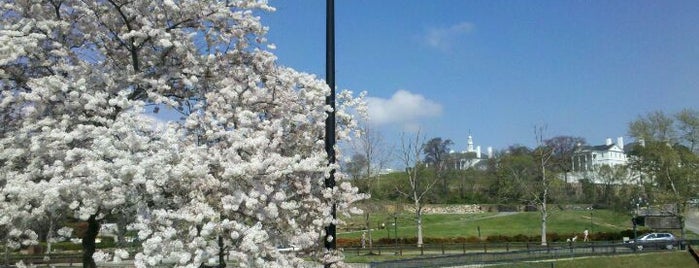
243,172
120,254
101,256
65,232
16,238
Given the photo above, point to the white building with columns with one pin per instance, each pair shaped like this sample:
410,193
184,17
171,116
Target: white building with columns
586,158
587,161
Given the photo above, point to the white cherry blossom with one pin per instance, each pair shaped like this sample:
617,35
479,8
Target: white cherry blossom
240,175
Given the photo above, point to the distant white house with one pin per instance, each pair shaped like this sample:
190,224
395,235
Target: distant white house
587,161
588,158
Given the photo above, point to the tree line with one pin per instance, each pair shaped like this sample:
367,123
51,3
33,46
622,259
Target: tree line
662,169
663,157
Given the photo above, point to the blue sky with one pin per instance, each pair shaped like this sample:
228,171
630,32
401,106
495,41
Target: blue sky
500,68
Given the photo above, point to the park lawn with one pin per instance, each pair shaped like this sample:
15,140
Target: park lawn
645,260
529,223
467,225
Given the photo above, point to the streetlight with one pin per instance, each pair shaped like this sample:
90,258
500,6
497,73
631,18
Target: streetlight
330,123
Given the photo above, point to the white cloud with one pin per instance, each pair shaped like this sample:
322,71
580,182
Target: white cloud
444,38
402,108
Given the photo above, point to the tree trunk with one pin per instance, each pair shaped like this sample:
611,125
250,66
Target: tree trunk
49,235
368,229
7,254
544,197
221,253
463,184
544,215
418,219
445,187
89,245
121,231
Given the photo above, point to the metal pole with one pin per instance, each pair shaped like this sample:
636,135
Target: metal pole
635,221
395,231
330,231
388,231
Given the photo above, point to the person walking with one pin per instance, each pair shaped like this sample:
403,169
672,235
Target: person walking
364,239
585,234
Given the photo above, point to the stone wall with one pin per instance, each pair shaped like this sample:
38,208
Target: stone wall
448,209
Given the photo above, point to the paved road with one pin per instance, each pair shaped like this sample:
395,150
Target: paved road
500,214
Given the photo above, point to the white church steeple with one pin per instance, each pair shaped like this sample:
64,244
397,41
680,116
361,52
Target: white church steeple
470,144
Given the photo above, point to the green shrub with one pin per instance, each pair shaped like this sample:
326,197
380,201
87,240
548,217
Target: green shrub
66,246
499,238
520,238
470,239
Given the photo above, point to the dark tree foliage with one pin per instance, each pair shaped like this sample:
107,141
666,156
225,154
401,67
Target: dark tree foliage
670,172
666,158
356,167
436,150
436,153
515,168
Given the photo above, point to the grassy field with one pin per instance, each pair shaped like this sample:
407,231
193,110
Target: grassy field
646,260
465,225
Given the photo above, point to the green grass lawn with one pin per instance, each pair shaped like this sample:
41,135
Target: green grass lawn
465,225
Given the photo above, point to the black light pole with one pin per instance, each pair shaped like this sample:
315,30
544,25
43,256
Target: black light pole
590,220
330,232
395,229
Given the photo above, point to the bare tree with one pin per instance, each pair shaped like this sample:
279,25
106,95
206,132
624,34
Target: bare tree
540,198
371,147
418,185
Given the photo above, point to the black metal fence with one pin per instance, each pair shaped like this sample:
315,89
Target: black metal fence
440,255
493,253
